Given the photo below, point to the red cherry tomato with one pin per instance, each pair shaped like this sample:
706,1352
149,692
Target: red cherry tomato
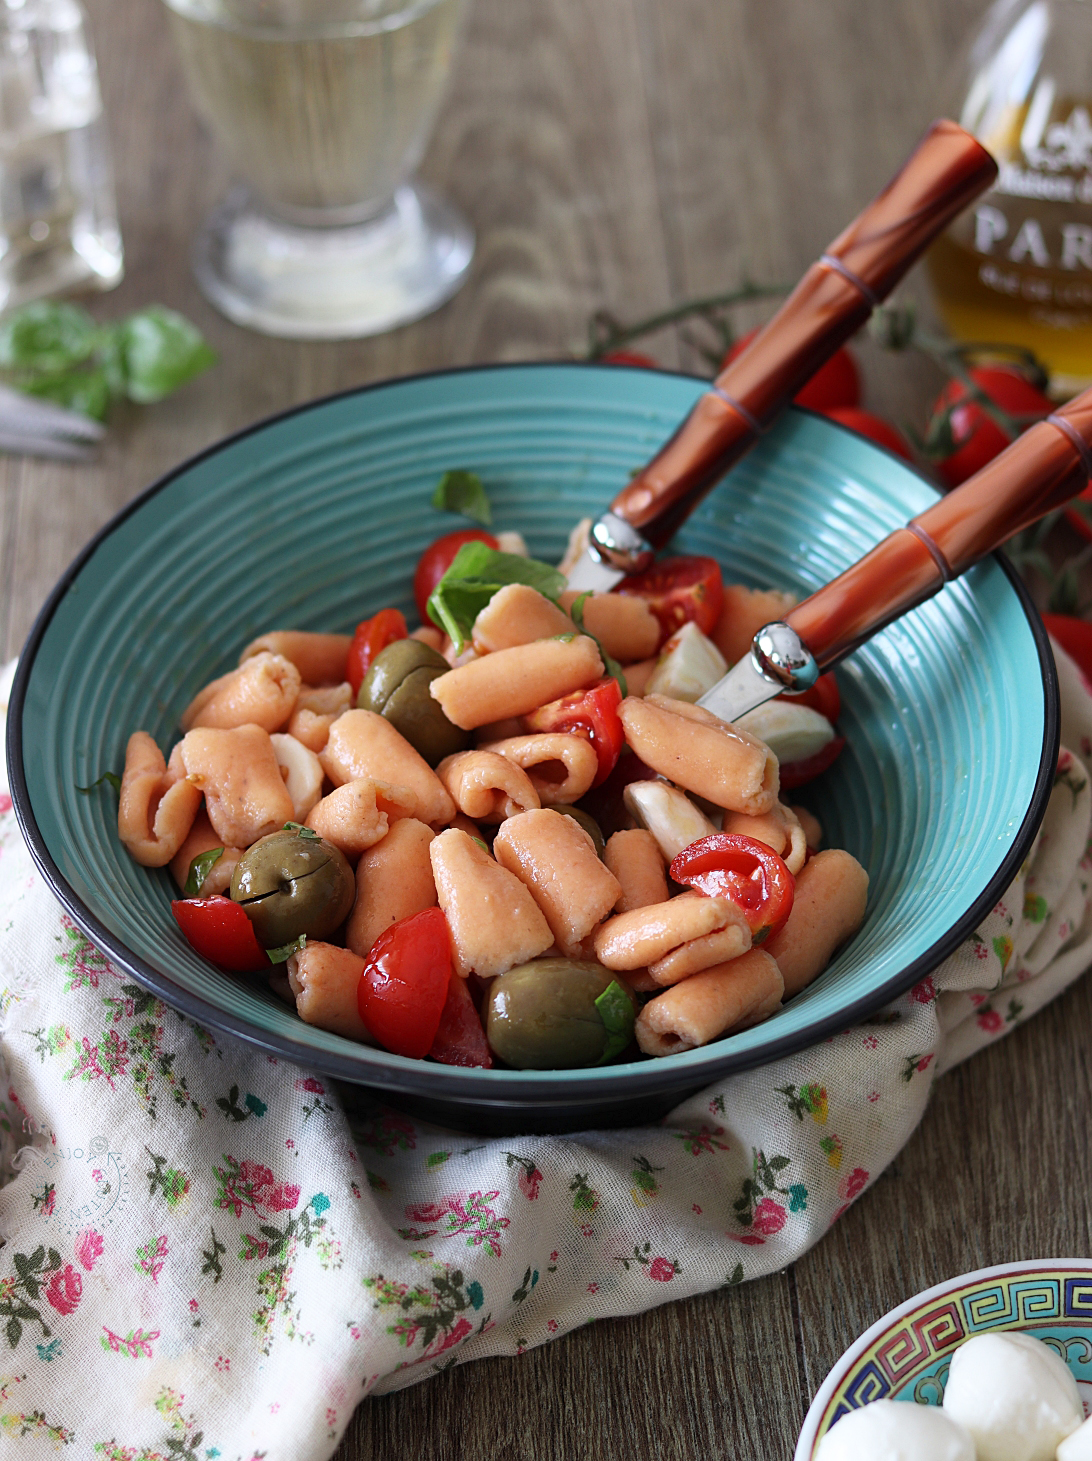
629,357
835,384
1075,637
460,1039
874,427
679,590
592,714
403,989
372,636
743,869
438,558
823,697
796,773
978,438
220,931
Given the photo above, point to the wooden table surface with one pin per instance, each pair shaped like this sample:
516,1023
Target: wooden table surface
625,154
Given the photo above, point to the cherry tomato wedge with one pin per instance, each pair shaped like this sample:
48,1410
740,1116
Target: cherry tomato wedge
748,872
796,773
460,1039
403,989
680,590
220,931
823,696
372,636
835,384
592,714
438,558
864,423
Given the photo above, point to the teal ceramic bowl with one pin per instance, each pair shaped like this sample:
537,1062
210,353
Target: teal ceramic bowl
316,519
906,1354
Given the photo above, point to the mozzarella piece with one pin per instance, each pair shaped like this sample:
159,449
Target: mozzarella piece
302,773
896,1430
1017,1398
668,813
792,732
689,664
1078,1446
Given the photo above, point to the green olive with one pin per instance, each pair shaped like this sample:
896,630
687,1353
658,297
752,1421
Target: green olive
397,687
589,824
544,1016
292,883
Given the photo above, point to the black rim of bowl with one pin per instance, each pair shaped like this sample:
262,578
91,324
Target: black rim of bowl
480,1088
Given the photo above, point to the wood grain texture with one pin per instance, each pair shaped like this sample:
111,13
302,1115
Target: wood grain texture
625,154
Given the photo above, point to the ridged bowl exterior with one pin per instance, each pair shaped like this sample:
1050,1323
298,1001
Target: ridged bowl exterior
316,519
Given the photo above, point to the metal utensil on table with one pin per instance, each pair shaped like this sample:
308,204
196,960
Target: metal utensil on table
1041,471
945,172
36,428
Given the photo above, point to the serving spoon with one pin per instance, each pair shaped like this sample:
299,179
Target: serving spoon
945,172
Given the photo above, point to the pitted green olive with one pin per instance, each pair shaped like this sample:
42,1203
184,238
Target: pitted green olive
558,1014
397,687
589,824
291,883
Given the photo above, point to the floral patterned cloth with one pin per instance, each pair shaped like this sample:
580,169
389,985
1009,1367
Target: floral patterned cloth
203,1260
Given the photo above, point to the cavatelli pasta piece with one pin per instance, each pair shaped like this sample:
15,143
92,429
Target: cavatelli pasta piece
743,613
320,658
156,809
262,691
636,861
202,838
393,881
557,862
701,753
638,675
624,624
709,1004
518,614
485,786
316,709
237,770
637,939
561,767
727,943
828,908
364,746
495,923
357,815
514,682
325,979
778,828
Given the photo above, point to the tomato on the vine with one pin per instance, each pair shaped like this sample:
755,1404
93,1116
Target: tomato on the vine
629,357
403,988
371,637
592,714
1075,637
679,590
219,930
438,558
744,870
874,427
835,384
977,437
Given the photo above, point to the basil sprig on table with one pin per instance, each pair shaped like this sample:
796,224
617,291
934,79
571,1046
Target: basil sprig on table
463,492
616,1011
55,349
200,867
476,574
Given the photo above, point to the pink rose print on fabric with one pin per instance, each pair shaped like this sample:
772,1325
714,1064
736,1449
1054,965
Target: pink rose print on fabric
309,1083
89,1246
925,992
990,1021
849,1188
251,1186
458,1331
529,1175
64,1289
662,1270
769,1217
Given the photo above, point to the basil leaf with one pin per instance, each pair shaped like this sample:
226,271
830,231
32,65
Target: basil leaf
285,952
616,1011
613,668
301,831
476,574
482,845
161,351
86,391
200,867
111,778
47,337
463,492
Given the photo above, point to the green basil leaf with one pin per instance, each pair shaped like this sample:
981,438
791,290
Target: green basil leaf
301,831
285,952
47,337
481,844
463,492
476,574
86,391
200,867
613,668
110,778
161,351
616,1011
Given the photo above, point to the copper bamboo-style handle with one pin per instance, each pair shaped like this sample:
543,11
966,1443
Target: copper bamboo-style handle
1042,470
944,173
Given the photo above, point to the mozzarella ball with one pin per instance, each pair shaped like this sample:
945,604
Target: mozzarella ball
1016,1396
895,1430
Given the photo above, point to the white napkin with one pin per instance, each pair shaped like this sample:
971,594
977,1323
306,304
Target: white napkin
202,1260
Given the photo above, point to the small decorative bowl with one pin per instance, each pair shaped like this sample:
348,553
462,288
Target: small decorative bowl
906,1354
316,519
